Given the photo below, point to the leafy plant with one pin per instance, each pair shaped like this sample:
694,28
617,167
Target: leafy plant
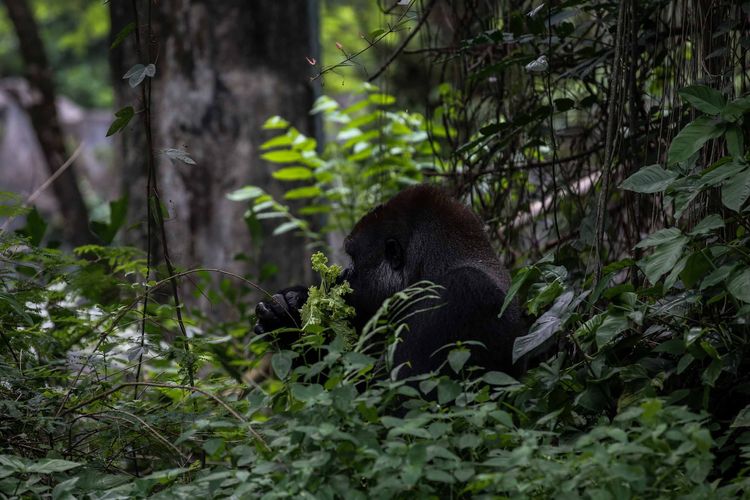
376,152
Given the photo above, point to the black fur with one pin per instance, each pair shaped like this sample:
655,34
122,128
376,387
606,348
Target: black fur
423,234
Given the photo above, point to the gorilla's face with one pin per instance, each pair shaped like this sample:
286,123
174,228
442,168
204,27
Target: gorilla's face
379,265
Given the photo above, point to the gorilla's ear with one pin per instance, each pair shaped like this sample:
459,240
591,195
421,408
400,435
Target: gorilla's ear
394,254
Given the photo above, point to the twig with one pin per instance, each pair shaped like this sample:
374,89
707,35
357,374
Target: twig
405,42
103,336
218,400
33,196
370,44
154,432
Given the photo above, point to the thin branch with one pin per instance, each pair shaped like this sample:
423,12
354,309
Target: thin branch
33,196
218,400
405,42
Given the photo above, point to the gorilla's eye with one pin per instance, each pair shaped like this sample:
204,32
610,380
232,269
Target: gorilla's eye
394,254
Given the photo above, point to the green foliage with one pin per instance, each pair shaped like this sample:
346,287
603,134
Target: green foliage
376,152
75,35
326,307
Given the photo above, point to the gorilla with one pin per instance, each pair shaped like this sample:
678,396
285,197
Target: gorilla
422,234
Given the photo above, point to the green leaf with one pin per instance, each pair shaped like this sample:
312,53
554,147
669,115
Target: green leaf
515,285
664,257
735,109
281,362
245,193
122,118
324,104
303,192
286,227
739,286
703,98
448,390
736,190
499,378
282,156
545,327
659,237
707,225
123,34
376,33
612,326
457,358
35,227
381,99
743,418
213,445
275,122
107,231
650,179
692,138
735,142
718,174
278,141
293,174
306,392
50,465
717,276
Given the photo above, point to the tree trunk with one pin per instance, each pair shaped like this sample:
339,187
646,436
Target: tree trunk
43,114
222,68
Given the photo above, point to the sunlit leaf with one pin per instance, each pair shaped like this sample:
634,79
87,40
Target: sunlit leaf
293,174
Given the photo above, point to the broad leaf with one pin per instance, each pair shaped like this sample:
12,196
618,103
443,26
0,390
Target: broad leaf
610,328
692,138
293,174
735,191
650,179
717,174
546,326
515,285
245,193
281,362
735,109
739,286
282,156
275,122
122,118
50,465
659,237
303,192
664,257
707,225
457,358
735,141
703,98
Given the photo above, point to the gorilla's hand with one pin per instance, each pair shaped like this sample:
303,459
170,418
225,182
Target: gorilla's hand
281,310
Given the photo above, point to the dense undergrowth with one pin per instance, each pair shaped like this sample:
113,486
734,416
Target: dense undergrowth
641,390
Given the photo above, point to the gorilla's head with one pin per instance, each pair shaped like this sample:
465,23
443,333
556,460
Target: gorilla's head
418,235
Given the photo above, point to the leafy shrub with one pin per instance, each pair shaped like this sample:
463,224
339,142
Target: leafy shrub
375,154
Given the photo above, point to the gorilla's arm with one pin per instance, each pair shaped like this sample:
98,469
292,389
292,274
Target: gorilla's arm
467,310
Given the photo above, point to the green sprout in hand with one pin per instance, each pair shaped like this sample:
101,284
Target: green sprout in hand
326,307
